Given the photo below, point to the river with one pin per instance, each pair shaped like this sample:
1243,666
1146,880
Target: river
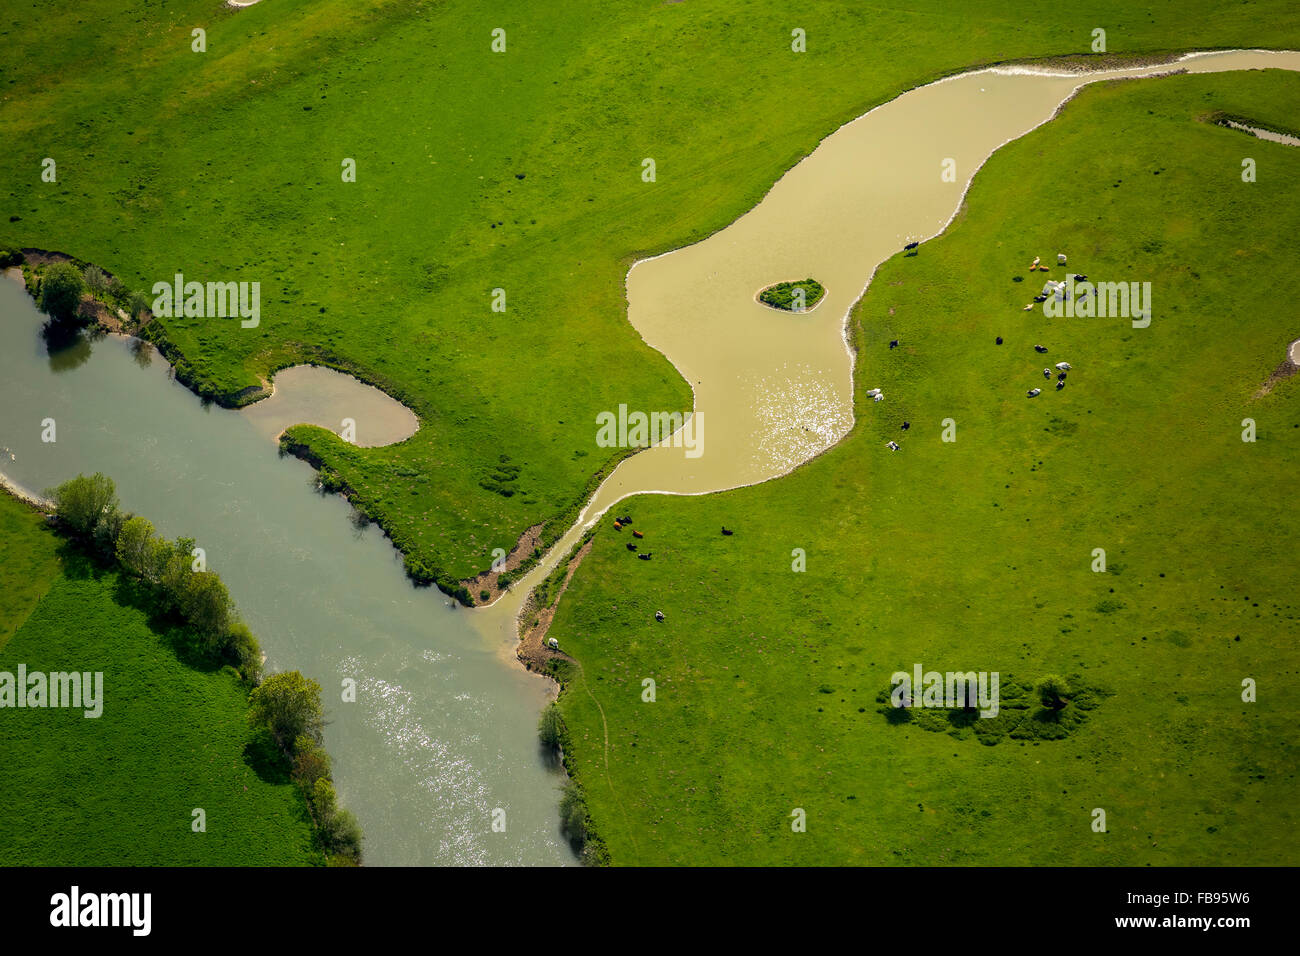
441,733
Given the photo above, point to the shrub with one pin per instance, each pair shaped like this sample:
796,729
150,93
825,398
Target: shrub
242,647
310,763
1053,692
573,814
550,728
95,280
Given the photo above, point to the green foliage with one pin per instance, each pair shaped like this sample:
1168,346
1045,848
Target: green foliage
134,543
1053,692
550,727
61,290
289,706
82,503
782,295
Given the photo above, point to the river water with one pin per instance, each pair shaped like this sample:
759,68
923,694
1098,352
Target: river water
441,733
445,728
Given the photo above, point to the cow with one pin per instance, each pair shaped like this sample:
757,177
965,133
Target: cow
727,531
1035,392
645,555
1040,348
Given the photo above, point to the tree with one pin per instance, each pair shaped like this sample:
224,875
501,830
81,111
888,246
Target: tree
549,727
205,603
83,502
1053,691
61,289
242,647
310,763
289,705
139,304
133,543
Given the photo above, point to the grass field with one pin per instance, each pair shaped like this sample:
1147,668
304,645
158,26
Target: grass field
119,790
475,171
977,554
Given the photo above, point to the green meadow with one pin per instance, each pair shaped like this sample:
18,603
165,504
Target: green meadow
475,171
978,554
120,789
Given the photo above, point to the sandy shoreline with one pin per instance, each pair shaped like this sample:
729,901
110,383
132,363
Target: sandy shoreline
22,494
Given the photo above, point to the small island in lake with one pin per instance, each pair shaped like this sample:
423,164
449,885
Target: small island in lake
799,296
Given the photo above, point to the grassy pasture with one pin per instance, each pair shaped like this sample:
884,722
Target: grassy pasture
119,789
475,171
976,554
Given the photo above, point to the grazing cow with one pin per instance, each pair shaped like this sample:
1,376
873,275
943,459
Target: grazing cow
1060,376
910,245
873,392
1064,366
637,534
906,425
1060,385
727,531
1040,298
1028,308
1034,265
1079,278
645,555
1047,373
1035,392
552,643
625,520
1040,348
617,526
631,546
659,616
893,344
999,341
892,445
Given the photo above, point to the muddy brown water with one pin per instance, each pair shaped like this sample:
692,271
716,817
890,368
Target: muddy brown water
313,395
776,389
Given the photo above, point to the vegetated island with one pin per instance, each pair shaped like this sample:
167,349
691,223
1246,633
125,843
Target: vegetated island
801,296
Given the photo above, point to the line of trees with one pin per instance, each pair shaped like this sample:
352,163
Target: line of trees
287,705
88,507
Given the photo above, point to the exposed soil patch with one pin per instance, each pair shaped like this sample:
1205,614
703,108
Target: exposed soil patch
1283,371
488,580
532,649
